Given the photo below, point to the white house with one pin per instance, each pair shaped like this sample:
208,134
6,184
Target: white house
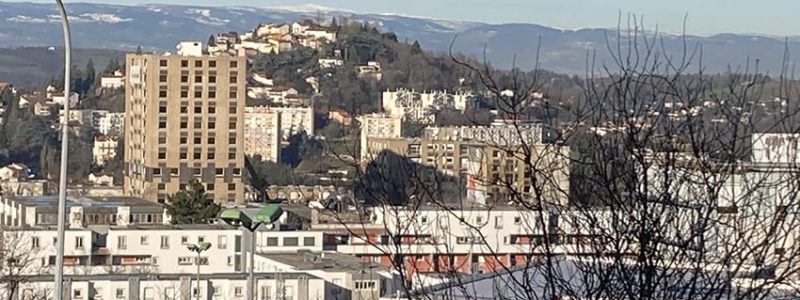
105,148
14,172
330,62
190,48
58,98
101,179
114,81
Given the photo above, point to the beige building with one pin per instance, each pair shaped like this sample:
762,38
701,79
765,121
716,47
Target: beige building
262,134
377,126
186,116
489,172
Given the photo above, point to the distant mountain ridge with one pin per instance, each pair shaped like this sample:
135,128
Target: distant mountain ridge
159,27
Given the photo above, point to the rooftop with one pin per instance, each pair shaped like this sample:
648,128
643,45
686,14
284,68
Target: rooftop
322,261
102,202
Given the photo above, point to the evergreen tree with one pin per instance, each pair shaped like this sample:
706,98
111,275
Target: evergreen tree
89,77
191,205
415,48
139,50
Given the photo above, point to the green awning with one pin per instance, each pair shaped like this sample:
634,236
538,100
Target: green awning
231,214
268,214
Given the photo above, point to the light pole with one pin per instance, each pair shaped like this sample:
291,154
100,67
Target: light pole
62,188
266,215
199,248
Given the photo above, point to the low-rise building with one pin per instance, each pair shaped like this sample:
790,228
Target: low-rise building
100,179
372,70
422,106
377,126
115,80
42,211
15,172
330,62
339,116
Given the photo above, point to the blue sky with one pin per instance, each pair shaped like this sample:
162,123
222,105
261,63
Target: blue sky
775,17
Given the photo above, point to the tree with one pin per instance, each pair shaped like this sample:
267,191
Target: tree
191,205
139,50
658,186
89,81
18,258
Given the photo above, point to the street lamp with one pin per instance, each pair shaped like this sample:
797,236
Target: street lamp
266,215
198,248
62,188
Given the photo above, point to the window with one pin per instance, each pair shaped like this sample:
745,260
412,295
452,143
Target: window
198,94
517,220
185,260
184,124
234,64
197,125
162,124
232,125
237,172
212,63
157,171
198,78
35,242
197,155
122,242
232,94
212,79
478,220
233,79
198,110
173,171
162,78
78,242
184,240
198,63
232,155
217,290
162,140
272,241
162,63
210,155
231,186
184,78
162,94
498,222
212,140
162,109
212,125
212,94
290,241
162,186
201,239
183,140
184,63
232,110
308,241
203,261
164,242
197,139
222,242
149,293
423,220
144,240
462,240
184,109
183,155
232,140
184,94
365,285
237,291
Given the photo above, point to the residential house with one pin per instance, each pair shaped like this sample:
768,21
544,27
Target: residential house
339,116
115,80
371,70
101,179
15,172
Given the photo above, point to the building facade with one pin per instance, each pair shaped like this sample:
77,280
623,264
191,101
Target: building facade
421,106
186,123
105,148
262,134
377,126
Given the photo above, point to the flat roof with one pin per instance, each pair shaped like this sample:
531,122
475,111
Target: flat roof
329,261
173,276
101,202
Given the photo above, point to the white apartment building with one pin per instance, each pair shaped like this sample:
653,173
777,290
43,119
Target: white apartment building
105,148
498,134
110,124
114,81
293,119
377,126
262,134
420,106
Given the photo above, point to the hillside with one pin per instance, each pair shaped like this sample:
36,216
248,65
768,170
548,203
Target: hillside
158,27
31,66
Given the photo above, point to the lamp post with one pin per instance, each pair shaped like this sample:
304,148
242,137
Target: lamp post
199,248
266,215
62,187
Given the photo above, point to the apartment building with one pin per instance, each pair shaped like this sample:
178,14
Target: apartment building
490,173
105,122
42,211
500,133
186,117
104,148
262,134
420,106
377,126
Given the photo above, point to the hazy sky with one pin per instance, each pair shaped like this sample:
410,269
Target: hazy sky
776,17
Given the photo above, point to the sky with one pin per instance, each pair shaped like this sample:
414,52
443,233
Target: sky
705,17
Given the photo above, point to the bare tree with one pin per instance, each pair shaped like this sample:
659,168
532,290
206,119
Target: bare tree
677,186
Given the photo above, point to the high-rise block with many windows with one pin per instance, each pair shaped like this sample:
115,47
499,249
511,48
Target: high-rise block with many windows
186,122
